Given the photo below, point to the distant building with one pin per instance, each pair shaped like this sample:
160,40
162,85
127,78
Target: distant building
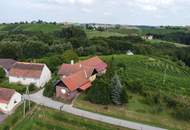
29,73
78,77
9,99
130,53
148,37
6,64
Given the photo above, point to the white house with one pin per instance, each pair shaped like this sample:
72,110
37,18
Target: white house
30,73
130,53
9,99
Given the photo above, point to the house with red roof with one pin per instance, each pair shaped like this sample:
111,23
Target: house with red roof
9,99
29,73
78,77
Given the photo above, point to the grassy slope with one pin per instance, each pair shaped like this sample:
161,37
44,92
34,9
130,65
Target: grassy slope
151,71
48,119
92,34
46,28
157,41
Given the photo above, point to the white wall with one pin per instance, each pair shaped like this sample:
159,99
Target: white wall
15,100
40,82
45,77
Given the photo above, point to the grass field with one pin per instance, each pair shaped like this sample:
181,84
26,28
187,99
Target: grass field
92,34
136,110
156,73
157,41
46,28
42,118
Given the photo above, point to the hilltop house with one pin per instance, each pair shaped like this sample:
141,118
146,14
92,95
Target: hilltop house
29,73
9,99
6,64
78,77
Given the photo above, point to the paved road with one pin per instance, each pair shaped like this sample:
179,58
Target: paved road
40,99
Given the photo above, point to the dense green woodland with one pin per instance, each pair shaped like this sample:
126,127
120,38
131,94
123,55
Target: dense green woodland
28,41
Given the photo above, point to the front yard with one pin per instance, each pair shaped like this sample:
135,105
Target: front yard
135,110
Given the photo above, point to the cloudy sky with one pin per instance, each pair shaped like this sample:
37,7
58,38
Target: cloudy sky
133,12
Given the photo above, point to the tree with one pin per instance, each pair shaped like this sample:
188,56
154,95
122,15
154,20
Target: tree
70,55
99,92
2,73
49,89
116,90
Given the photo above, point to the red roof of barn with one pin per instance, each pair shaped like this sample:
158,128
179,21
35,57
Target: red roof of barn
77,80
28,70
95,62
89,66
6,95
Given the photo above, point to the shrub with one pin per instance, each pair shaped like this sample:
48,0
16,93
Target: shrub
124,96
70,55
182,113
135,86
32,87
100,92
49,89
2,73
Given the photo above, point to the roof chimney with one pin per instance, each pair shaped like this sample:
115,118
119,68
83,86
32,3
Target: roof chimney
80,65
72,62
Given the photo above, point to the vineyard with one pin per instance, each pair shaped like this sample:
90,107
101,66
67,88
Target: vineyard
155,73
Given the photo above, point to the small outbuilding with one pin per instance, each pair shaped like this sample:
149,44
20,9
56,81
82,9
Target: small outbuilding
30,73
9,99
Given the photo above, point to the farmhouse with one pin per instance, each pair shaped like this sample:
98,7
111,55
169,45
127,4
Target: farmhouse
29,73
9,99
78,77
6,64
68,87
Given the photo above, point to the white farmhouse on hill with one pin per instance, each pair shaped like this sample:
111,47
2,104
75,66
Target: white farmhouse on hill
30,73
130,53
9,99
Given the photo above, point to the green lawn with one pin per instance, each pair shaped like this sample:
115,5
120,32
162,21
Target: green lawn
157,41
136,111
42,118
92,34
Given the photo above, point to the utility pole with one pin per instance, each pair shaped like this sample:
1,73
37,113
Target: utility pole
26,94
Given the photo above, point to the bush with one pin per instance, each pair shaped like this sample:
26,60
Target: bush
135,86
2,73
182,113
70,55
32,87
124,96
49,89
100,92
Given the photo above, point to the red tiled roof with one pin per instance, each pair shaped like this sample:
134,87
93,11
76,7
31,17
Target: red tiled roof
77,80
7,63
27,70
89,66
6,95
86,86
